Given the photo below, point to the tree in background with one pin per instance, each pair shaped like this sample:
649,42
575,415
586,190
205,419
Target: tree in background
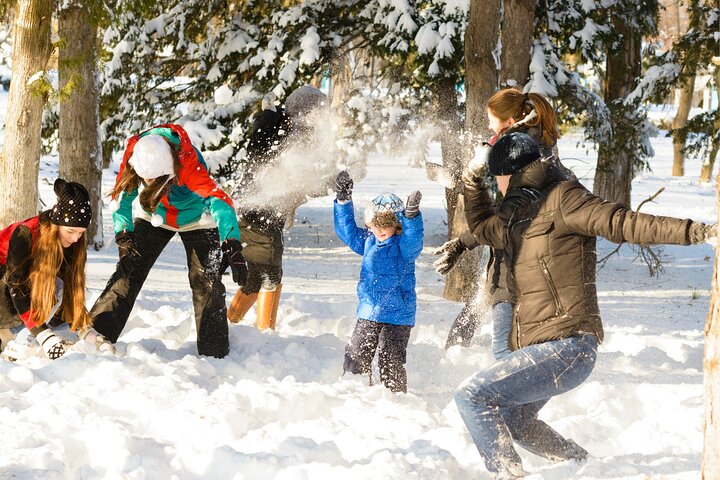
79,146
29,90
694,52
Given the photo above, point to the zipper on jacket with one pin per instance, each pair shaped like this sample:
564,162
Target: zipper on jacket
546,272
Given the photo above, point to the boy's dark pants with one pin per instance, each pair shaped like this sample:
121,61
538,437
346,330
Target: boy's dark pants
205,268
392,341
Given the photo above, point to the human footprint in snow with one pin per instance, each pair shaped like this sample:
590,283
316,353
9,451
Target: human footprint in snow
42,277
389,247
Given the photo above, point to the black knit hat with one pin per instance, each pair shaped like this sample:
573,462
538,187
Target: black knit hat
73,205
512,152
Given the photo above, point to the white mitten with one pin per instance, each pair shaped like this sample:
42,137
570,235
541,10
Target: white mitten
97,341
53,345
474,170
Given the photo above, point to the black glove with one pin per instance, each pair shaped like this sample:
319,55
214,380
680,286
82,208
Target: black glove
450,253
412,206
701,232
343,186
127,252
232,249
53,345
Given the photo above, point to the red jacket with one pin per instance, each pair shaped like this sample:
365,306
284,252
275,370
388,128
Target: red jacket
22,235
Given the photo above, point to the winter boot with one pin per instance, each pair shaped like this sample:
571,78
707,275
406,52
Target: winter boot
267,307
240,305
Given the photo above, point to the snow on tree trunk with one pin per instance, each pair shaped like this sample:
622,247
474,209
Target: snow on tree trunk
711,450
517,31
20,157
615,157
709,163
680,120
79,135
461,282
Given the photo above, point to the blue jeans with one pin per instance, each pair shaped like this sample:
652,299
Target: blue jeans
502,323
500,404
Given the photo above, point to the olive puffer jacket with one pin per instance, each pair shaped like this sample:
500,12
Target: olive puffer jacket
547,228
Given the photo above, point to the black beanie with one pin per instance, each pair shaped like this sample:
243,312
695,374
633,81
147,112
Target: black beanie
73,205
512,152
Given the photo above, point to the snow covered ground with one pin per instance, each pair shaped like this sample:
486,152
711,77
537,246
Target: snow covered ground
274,408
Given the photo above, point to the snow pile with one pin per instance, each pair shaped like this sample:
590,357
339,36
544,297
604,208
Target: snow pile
275,408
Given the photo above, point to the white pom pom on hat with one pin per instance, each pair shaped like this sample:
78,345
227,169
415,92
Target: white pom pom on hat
156,220
152,157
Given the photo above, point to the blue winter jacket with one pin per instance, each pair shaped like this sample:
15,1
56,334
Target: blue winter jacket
387,279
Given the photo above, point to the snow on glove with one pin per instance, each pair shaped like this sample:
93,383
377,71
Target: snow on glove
126,250
232,249
412,206
343,186
477,167
53,345
701,232
96,340
450,253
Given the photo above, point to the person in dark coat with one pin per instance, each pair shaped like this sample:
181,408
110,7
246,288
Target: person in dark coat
509,110
261,228
386,290
546,226
42,275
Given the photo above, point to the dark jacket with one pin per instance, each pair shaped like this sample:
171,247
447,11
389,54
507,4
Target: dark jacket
261,228
547,227
478,202
16,255
266,134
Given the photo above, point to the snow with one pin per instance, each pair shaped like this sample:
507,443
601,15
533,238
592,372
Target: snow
274,408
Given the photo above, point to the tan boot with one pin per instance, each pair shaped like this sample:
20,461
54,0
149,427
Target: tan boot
240,305
267,307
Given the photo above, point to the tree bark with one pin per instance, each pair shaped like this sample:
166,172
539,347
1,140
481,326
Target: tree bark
482,68
461,282
20,157
680,120
517,32
79,134
711,363
615,157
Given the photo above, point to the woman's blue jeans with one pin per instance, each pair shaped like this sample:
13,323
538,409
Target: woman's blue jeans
501,314
500,404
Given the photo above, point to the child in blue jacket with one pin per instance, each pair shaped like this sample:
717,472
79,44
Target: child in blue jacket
386,290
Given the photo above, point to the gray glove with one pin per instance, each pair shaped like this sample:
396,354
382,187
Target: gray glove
450,253
412,206
343,186
701,232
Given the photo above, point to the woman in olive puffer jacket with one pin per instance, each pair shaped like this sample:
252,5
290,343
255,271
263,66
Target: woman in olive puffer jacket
546,226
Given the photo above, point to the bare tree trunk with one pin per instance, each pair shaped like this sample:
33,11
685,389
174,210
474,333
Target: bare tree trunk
711,363
497,48
615,158
80,148
517,32
461,282
707,167
20,157
482,67
680,120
